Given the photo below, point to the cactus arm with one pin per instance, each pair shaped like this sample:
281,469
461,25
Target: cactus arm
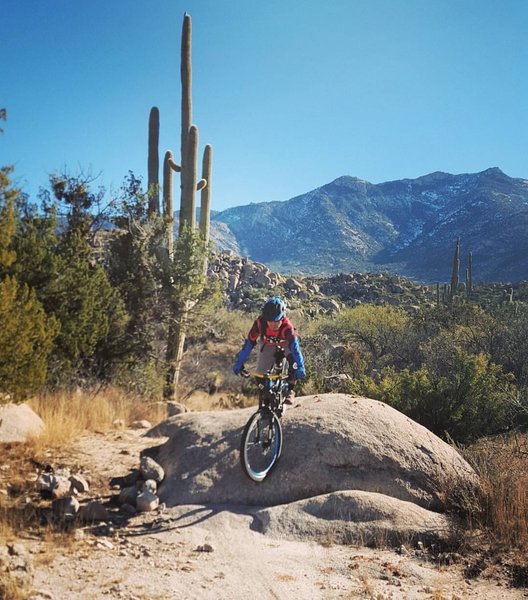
174,166
153,161
188,176
168,203
205,198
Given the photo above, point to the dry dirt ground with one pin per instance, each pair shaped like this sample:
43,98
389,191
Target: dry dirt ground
197,552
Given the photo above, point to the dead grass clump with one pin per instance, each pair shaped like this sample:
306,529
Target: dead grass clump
10,588
502,466
68,415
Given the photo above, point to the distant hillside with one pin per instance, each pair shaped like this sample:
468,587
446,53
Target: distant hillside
405,227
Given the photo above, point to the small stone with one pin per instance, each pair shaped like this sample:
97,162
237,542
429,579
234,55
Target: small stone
146,502
66,508
142,424
79,484
128,495
150,469
150,486
93,511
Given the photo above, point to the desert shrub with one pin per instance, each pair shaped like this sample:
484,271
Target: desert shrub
26,332
26,339
469,400
143,378
377,328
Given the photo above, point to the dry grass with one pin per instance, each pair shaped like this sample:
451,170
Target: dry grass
67,417
502,465
10,588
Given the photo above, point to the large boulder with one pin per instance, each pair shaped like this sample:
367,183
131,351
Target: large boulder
18,422
332,442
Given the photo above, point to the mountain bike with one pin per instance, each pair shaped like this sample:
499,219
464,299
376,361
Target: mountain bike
261,444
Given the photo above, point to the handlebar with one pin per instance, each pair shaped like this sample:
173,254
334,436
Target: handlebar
245,373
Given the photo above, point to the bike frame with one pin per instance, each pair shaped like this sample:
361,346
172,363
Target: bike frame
271,384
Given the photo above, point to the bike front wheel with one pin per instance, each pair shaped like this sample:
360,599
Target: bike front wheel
261,444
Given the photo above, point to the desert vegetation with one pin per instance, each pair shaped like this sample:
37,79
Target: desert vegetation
84,308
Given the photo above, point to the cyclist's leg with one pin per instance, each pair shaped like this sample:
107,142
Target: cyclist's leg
290,395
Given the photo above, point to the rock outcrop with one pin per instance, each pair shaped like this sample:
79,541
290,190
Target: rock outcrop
18,422
353,517
246,284
332,442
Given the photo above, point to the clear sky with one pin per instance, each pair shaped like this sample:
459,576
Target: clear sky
290,93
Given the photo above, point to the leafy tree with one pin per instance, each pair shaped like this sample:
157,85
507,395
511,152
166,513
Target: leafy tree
26,339
55,258
184,284
134,269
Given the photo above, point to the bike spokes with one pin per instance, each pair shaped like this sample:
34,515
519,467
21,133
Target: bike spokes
261,444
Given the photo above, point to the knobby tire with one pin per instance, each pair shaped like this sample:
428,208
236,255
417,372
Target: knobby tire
260,449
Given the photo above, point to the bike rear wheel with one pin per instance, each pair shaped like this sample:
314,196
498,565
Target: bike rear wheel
261,444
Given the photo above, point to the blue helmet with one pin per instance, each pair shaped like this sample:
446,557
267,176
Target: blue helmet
274,309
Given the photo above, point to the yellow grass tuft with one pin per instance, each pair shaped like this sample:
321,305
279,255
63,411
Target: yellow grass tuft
502,465
68,415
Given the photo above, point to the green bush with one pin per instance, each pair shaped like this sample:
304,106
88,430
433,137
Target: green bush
26,339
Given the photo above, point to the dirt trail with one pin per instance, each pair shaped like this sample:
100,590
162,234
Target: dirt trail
196,552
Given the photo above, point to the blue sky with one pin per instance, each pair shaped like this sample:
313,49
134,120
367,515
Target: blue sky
290,93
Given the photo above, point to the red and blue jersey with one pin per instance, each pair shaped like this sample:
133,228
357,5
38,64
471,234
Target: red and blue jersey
285,334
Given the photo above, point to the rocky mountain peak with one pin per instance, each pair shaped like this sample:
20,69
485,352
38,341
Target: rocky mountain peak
405,227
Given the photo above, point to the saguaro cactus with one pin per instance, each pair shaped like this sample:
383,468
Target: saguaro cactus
153,161
470,272
189,133
168,201
189,186
456,269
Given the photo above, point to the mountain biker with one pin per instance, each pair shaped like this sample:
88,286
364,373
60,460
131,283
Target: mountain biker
270,330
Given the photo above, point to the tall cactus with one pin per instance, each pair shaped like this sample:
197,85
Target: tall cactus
189,133
168,202
470,272
153,161
189,187
456,269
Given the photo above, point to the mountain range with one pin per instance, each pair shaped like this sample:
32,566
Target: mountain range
407,227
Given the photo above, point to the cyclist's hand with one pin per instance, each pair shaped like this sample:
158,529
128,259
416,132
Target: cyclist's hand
300,373
239,369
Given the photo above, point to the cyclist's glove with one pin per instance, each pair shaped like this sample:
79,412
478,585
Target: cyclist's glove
299,373
242,356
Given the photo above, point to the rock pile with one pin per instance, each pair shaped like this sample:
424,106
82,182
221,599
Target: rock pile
139,490
246,284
